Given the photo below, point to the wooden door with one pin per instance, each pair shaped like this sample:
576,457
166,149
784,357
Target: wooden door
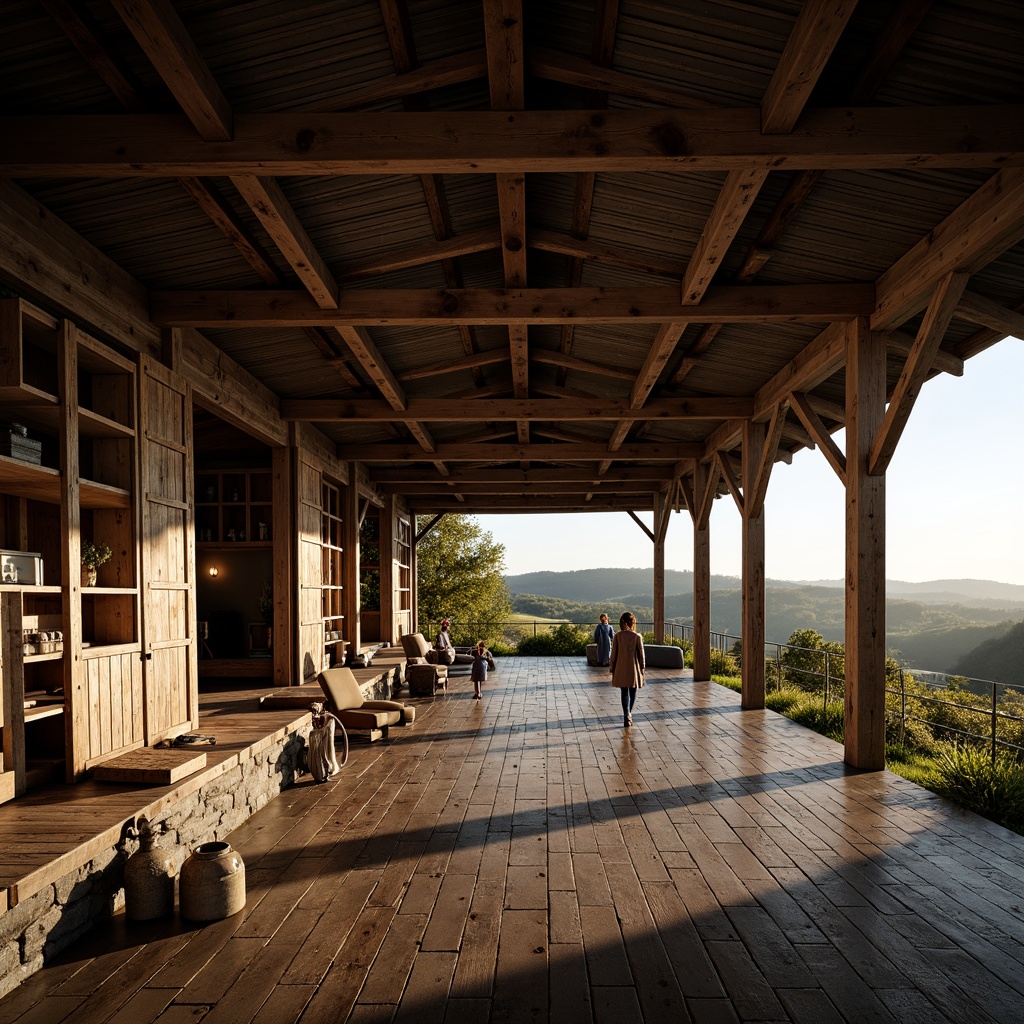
310,565
168,552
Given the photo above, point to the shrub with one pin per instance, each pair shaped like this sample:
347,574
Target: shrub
565,640
784,700
723,664
828,719
994,789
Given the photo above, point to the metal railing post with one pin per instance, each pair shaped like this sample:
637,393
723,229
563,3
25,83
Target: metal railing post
995,720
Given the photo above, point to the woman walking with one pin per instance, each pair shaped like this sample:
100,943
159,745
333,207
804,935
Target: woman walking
627,664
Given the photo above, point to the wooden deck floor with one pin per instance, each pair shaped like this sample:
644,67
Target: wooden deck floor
525,858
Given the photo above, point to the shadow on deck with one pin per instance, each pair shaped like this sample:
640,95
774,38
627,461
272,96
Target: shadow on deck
525,857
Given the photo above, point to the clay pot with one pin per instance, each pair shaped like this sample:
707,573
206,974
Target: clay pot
212,884
148,878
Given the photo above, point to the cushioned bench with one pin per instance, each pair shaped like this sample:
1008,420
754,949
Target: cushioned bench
663,656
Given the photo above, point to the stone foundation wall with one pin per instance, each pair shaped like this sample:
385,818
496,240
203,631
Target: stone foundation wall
39,927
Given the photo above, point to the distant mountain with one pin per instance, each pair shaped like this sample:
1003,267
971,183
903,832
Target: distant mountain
1000,658
966,592
926,634
591,585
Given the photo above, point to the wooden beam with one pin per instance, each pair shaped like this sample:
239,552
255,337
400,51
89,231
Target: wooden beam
498,142
280,221
555,452
762,471
942,361
983,311
428,527
479,504
815,35
392,478
160,33
724,463
929,337
55,266
980,229
807,303
455,365
363,348
705,494
731,207
482,240
819,432
560,359
643,526
430,75
556,66
658,355
584,249
76,23
463,486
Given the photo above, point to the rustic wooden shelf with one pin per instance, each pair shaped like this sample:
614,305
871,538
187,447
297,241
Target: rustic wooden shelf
92,424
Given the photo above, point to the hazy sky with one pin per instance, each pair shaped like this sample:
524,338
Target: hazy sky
954,500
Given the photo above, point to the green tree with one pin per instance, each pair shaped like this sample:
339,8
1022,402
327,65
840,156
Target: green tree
461,576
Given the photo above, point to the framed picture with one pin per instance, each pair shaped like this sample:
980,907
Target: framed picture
24,568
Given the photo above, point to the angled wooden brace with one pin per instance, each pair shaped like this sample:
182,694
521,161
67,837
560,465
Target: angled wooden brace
729,476
705,496
770,448
919,363
819,432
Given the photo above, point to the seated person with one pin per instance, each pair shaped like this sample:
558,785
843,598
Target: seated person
443,645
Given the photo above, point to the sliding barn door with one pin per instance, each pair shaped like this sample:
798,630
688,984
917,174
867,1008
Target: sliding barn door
168,553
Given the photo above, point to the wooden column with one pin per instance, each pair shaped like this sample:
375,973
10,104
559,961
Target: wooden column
753,631
661,514
865,551
700,502
282,525
350,527
701,603
386,563
75,722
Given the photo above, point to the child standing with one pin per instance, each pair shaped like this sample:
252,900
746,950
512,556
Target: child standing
479,672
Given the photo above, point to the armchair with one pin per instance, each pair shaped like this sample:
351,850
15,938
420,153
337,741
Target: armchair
345,699
422,675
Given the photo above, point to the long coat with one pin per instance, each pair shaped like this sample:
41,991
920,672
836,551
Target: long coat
627,661
603,638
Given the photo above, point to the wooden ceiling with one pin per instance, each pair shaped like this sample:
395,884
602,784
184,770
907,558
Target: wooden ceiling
540,256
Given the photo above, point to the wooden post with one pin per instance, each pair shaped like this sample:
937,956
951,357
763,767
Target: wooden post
75,721
282,527
700,512
753,631
865,550
701,603
350,595
661,514
386,564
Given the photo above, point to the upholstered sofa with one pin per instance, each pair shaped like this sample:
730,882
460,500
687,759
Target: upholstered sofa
345,699
422,673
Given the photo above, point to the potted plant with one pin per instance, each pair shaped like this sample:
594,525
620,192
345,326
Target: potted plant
93,556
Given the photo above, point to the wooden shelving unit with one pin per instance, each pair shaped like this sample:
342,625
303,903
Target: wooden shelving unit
234,507
60,707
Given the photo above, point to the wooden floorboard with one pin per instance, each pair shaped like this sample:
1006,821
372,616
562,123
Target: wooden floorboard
524,857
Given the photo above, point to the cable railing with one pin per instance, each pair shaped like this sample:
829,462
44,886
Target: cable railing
980,711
